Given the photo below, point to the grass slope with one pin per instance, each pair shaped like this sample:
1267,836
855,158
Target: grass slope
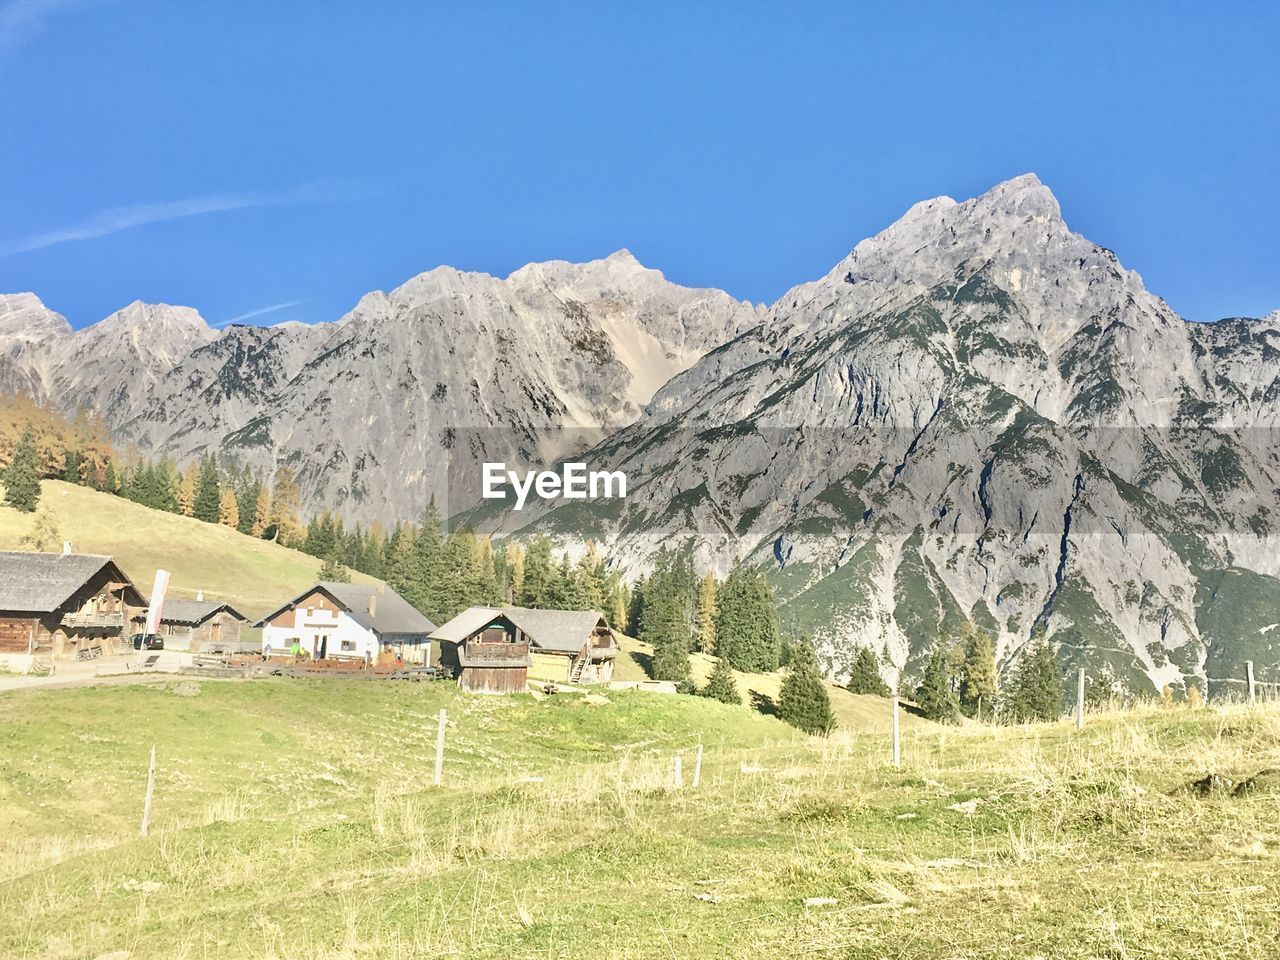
295,819
253,575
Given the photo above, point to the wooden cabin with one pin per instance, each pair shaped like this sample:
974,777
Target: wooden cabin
489,650
61,606
485,651
196,625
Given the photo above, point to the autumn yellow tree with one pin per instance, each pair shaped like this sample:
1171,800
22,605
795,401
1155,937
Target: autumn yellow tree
187,491
261,511
286,502
228,509
515,564
704,628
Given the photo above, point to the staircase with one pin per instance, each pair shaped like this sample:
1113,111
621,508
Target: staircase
579,666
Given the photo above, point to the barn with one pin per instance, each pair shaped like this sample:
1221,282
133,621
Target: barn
61,606
197,625
489,649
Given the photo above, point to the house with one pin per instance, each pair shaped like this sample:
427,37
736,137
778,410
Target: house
348,621
489,650
62,605
196,624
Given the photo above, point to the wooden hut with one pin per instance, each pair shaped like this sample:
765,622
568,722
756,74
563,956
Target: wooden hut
197,625
489,650
485,650
62,606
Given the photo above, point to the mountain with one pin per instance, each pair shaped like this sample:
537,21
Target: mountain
376,411
978,416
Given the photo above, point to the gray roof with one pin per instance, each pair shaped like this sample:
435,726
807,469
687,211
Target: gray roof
560,631
469,621
42,582
195,611
392,613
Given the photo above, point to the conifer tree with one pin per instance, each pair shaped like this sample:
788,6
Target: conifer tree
110,480
864,676
228,510
72,467
1035,694
704,630
43,535
747,633
803,701
515,573
261,511
721,685
187,491
539,574
666,622
978,673
208,501
934,696
425,580
22,476
333,571
286,501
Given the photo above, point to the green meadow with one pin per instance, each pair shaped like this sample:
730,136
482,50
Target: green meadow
297,819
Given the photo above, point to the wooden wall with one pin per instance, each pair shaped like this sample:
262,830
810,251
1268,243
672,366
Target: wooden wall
494,679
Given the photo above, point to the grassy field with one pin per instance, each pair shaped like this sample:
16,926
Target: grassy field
254,575
296,819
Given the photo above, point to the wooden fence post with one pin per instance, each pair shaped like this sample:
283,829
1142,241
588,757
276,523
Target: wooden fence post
897,735
697,767
440,749
151,787
1248,671
1080,700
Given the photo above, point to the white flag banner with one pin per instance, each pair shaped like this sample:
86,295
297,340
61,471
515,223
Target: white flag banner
157,601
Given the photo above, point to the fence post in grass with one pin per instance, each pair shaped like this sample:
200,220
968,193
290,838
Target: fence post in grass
151,787
1248,672
1080,700
697,767
440,749
897,735
677,775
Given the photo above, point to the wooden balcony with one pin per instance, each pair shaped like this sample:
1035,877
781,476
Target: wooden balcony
502,654
94,621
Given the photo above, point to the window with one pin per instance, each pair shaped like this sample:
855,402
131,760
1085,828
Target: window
348,646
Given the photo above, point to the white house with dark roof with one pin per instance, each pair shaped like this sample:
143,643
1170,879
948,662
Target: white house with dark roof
348,621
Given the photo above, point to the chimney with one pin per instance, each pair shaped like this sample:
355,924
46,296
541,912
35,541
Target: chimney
199,595
66,547
373,604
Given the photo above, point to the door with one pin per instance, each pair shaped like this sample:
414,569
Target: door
324,645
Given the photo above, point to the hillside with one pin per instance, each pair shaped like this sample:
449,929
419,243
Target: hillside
557,832
254,575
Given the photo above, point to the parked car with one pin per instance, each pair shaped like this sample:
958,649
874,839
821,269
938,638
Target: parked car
148,641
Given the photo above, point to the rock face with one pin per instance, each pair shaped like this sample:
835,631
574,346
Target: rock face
977,416
375,411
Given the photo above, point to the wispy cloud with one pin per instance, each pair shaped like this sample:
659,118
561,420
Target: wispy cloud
115,219
21,21
260,312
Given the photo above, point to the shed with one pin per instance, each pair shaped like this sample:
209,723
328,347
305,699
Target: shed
197,624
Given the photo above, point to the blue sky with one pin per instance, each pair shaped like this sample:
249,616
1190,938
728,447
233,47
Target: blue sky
279,159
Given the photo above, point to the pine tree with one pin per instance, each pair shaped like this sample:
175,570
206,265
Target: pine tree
43,535
1035,692
803,701
261,511
228,509
934,696
978,673
721,685
22,476
539,574
704,628
110,480
864,676
746,622
286,501
208,501
333,571
72,467
187,491
667,616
